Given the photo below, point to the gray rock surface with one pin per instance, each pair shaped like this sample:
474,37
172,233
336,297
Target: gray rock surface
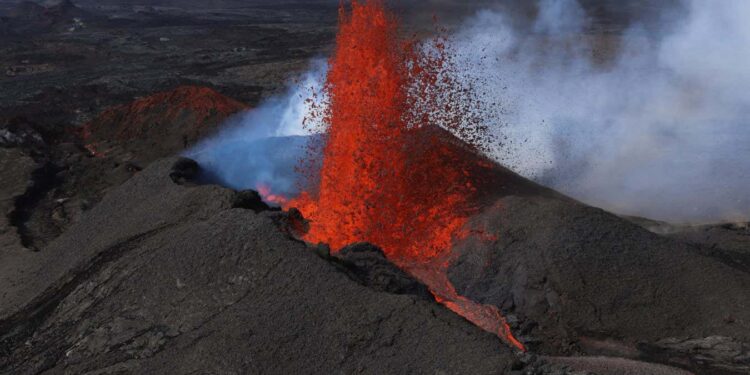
616,366
732,237
167,278
367,264
710,355
17,169
62,181
565,272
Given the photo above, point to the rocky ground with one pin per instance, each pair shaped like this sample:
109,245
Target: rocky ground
116,258
55,73
577,279
168,278
69,70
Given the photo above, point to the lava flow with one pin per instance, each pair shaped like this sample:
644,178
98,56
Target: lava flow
390,175
268,196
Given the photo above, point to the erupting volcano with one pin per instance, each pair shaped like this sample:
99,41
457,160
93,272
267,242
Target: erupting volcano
537,187
392,173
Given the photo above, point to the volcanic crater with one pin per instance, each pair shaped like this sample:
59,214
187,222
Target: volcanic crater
408,250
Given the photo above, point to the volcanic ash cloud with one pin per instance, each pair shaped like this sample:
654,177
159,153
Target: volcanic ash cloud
660,131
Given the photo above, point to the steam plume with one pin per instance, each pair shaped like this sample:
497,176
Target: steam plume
661,131
259,149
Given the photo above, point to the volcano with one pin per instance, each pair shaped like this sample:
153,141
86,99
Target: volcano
447,215
403,249
161,124
178,275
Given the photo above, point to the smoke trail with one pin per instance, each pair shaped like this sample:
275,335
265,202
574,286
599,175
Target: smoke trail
658,130
260,148
661,131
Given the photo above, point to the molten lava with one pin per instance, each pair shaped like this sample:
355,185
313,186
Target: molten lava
194,106
268,196
390,175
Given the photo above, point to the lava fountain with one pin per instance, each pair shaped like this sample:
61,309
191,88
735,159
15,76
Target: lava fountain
392,173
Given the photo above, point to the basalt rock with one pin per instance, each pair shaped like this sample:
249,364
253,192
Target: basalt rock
17,171
160,125
710,355
168,278
368,264
250,200
184,170
732,237
18,133
28,17
571,273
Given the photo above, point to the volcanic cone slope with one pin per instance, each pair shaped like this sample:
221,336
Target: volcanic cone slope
578,278
161,124
169,278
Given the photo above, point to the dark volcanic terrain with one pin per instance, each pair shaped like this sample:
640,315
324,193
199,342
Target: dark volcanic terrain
118,257
73,78
166,278
58,71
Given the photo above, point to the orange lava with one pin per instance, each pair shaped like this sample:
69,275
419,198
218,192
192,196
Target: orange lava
389,175
270,197
195,106
487,317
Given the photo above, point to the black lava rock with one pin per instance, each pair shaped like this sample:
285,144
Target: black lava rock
184,170
161,278
250,200
368,264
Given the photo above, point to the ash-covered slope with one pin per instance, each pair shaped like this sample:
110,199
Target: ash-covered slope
66,177
168,278
18,169
161,124
579,279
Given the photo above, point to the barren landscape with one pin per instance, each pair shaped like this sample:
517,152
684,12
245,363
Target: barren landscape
165,211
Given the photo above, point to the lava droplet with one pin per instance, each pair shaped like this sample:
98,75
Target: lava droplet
391,175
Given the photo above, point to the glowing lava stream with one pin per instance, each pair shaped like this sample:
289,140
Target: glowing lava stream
388,176
268,196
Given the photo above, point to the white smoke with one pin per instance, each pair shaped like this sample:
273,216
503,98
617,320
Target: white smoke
663,131
262,147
